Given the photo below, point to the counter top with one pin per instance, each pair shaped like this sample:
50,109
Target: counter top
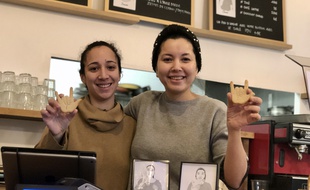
36,116
247,135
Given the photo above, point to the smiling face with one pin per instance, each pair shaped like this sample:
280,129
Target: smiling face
200,174
101,77
150,171
177,68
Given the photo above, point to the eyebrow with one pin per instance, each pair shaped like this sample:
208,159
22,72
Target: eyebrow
107,61
111,61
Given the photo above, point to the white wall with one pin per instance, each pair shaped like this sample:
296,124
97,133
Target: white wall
19,133
29,37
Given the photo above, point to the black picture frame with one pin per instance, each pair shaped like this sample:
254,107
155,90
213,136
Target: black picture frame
260,20
76,2
205,175
142,169
161,12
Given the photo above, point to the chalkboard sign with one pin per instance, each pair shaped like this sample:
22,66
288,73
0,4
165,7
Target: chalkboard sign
257,18
158,11
77,2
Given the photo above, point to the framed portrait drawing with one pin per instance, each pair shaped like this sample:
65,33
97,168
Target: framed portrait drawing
203,176
148,174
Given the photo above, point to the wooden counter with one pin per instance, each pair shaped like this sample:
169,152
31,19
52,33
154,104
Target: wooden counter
36,116
246,136
20,114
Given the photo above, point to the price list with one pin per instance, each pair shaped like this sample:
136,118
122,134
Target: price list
168,10
258,18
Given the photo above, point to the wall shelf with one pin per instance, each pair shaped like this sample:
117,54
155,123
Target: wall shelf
12,113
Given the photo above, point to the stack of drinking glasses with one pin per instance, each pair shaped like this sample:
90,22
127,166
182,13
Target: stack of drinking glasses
23,91
8,90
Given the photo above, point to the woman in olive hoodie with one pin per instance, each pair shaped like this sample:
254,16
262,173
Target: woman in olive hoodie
98,123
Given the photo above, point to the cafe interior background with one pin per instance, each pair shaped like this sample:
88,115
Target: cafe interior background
32,39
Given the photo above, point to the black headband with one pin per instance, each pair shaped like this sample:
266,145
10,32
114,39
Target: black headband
176,31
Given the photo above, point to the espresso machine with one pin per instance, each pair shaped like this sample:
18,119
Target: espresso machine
279,152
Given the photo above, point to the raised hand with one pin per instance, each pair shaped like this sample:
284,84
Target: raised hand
58,114
240,95
243,107
67,103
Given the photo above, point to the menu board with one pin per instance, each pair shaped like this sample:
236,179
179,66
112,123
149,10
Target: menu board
258,18
78,2
155,10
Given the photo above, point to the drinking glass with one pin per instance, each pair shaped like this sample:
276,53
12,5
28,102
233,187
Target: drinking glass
34,81
24,101
25,88
40,102
41,89
8,76
8,99
8,86
50,83
25,78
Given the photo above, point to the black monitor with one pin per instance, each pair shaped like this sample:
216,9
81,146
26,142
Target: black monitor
45,167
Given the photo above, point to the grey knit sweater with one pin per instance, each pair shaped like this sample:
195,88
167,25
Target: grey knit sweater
187,131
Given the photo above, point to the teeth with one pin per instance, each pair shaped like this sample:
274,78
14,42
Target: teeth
177,78
104,85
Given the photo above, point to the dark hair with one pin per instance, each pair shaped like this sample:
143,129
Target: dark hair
202,170
98,44
153,168
175,31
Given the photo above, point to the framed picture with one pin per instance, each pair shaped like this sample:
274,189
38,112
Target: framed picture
161,12
203,176
149,174
259,20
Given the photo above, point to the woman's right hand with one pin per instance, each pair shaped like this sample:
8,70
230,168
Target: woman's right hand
56,120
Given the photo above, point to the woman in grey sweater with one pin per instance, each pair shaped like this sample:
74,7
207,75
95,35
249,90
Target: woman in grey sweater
181,126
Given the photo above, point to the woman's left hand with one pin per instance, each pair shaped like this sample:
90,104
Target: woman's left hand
240,115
